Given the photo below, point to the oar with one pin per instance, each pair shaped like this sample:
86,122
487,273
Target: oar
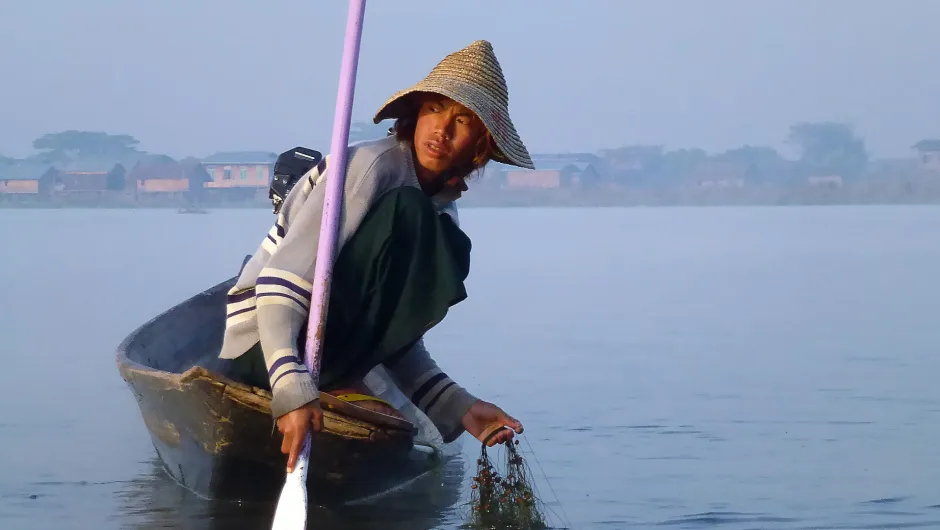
291,513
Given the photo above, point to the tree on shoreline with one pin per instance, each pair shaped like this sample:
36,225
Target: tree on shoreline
74,144
829,148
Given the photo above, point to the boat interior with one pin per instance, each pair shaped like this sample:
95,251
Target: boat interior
189,335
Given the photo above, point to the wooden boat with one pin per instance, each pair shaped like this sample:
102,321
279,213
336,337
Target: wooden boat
216,437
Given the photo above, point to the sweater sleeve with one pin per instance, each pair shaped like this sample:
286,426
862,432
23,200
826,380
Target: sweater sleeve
283,287
430,389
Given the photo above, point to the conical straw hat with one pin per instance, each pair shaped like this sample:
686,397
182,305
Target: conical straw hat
472,77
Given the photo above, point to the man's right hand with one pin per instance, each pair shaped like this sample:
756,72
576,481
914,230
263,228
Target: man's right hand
294,426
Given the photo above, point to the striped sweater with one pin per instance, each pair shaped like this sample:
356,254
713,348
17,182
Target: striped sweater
270,301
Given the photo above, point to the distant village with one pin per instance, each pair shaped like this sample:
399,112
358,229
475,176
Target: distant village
94,169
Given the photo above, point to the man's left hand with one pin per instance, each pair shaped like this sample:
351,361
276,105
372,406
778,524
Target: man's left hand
483,415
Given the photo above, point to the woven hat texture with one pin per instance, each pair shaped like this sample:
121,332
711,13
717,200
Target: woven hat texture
472,77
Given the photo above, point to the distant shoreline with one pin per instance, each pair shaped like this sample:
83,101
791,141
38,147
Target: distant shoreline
881,191
555,198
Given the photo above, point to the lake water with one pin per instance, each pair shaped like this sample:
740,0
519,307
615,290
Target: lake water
688,368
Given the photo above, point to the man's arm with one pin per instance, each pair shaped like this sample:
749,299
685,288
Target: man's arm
283,288
430,389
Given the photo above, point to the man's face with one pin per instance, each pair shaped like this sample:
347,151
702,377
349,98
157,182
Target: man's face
446,134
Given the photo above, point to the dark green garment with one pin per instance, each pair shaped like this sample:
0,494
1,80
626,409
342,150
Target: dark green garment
394,279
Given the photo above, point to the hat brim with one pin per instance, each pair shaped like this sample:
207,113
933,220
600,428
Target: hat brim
508,149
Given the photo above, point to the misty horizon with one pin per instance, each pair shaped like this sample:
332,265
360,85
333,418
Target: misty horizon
191,80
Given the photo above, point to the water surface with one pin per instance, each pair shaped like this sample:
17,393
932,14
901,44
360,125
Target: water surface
687,368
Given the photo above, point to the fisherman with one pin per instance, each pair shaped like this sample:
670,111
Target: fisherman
401,258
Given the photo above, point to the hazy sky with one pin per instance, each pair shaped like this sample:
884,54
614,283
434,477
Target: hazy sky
190,77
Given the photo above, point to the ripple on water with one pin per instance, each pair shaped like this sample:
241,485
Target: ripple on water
716,518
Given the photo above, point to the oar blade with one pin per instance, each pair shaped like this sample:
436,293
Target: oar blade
291,512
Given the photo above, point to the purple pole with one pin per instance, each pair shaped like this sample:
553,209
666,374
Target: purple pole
291,512
336,178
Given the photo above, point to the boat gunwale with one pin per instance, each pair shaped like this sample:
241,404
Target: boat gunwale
257,398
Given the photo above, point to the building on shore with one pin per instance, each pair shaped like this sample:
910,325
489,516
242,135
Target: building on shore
239,175
88,178
551,172
161,177
928,155
18,181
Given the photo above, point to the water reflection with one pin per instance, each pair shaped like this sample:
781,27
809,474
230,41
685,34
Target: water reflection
154,500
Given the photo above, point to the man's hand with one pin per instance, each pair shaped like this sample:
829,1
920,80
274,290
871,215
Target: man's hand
294,426
483,415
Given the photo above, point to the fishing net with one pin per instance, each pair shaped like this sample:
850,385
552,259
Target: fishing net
503,497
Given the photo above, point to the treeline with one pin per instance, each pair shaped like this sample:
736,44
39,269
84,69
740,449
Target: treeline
830,163
824,149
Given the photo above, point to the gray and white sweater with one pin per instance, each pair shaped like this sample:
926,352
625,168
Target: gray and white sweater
270,301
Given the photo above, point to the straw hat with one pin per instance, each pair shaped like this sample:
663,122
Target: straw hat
472,77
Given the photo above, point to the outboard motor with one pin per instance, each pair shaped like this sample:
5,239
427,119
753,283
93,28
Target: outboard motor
289,168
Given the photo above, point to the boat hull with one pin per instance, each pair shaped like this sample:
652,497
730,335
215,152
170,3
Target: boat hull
216,436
